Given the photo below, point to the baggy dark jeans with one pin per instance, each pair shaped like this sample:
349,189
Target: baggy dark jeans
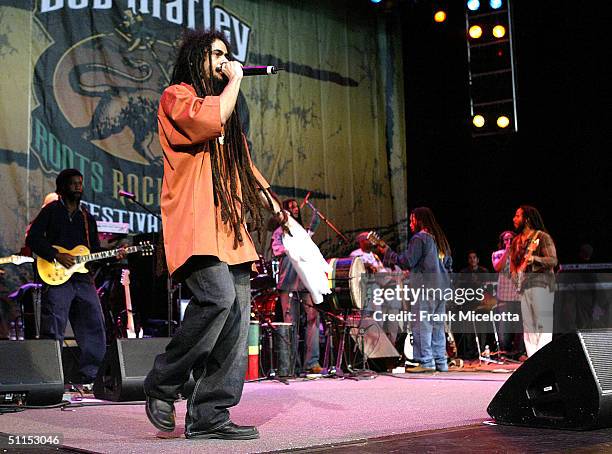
211,344
78,301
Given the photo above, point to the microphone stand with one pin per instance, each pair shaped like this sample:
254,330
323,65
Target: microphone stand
170,289
327,221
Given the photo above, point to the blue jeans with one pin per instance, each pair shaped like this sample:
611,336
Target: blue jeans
429,336
211,344
78,301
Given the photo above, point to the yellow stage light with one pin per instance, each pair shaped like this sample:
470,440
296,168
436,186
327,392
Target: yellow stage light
475,31
440,16
503,121
478,121
499,31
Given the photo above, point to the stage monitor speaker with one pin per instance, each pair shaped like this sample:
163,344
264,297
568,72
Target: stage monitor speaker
31,372
126,364
566,385
368,336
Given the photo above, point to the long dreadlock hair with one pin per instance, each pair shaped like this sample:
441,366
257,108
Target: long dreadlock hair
426,220
533,218
230,160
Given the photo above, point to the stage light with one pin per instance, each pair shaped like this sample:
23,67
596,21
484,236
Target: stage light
499,31
376,1
440,16
495,4
473,5
503,121
475,31
478,121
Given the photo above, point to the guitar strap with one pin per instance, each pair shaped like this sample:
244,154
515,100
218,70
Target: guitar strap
86,222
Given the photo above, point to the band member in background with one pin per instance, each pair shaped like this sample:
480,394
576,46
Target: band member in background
371,261
537,287
375,266
50,197
508,299
293,293
474,265
210,187
66,223
472,277
429,261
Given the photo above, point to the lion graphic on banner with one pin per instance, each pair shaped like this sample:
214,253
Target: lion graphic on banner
118,77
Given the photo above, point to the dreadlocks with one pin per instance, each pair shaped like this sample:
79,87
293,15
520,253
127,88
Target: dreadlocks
230,162
533,218
426,220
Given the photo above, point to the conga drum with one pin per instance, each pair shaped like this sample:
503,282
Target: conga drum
253,351
284,349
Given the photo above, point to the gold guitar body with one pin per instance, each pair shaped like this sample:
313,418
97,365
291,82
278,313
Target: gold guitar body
54,273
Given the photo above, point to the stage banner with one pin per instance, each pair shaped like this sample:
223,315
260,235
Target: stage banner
81,81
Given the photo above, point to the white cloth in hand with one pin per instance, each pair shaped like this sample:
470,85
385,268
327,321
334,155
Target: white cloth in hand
307,260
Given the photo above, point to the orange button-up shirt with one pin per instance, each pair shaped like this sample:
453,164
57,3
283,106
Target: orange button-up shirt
191,221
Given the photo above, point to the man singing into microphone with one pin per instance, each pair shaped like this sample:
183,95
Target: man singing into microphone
210,187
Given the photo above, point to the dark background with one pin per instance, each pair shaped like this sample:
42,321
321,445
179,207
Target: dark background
558,161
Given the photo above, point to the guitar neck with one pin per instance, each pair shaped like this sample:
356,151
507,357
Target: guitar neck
104,254
131,333
5,260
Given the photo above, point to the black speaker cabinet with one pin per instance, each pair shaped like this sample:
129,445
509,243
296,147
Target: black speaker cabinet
31,372
565,385
126,364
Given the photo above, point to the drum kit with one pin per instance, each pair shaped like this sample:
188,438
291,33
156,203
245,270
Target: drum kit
344,280
277,337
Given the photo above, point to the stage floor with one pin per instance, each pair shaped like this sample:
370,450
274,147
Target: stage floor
304,414
403,413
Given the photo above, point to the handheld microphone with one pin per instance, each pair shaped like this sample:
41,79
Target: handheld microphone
255,70
127,195
259,70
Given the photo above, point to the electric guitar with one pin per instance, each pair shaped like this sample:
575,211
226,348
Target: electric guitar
451,345
125,281
16,259
395,274
375,240
520,271
54,273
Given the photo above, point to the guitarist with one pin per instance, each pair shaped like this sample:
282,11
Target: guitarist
65,223
533,254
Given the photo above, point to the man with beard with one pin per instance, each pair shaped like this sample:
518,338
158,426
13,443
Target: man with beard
292,293
67,224
210,187
533,249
